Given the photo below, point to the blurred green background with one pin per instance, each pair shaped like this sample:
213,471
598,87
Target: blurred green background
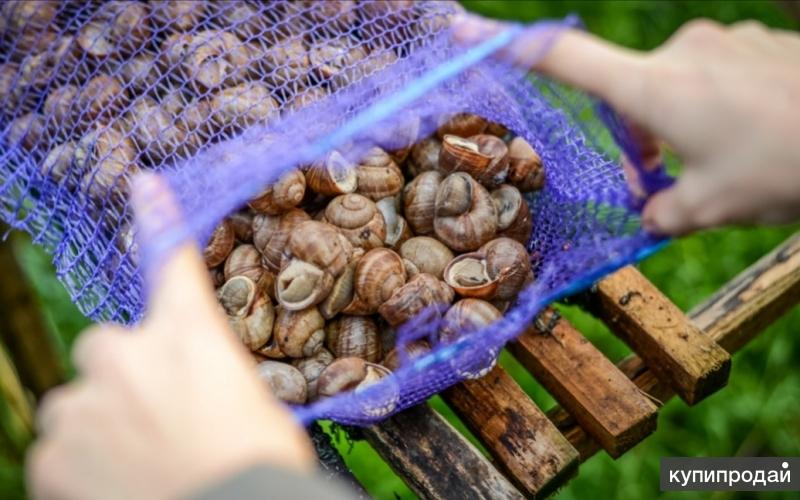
757,414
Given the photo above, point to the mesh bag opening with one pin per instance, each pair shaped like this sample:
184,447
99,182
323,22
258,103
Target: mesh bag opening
238,104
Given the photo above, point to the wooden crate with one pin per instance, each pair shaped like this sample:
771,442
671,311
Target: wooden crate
603,406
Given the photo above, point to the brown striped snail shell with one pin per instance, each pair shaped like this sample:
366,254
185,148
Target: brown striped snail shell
299,333
508,261
285,381
429,255
311,368
419,201
397,228
282,196
355,374
321,244
250,312
513,213
465,317
271,235
242,223
462,125
469,276
378,175
525,166
341,293
333,175
244,260
300,285
483,156
358,219
220,245
422,290
465,215
412,351
378,274
424,156
355,336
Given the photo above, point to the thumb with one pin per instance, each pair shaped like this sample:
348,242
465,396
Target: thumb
680,209
608,71
176,277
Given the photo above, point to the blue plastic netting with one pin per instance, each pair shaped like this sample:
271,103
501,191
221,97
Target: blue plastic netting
224,97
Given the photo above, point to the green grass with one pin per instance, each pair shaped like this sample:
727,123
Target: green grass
757,414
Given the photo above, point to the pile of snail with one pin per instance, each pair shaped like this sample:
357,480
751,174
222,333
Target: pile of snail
318,271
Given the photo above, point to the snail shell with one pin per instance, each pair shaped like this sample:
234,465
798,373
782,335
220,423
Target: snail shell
219,245
282,196
155,132
358,219
250,312
271,235
378,175
429,255
300,334
424,156
346,374
27,131
333,175
242,224
355,336
341,293
207,59
378,274
469,276
464,317
419,201
59,164
300,285
513,214
101,98
397,229
484,157
285,381
422,290
244,260
462,125
311,368
465,216
241,106
467,316
321,244
176,15
106,157
412,350
508,261
525,166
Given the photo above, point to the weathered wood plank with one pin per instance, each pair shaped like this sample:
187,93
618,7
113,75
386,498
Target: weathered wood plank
525,445
733,316
606,403
22,329
662,335
435,460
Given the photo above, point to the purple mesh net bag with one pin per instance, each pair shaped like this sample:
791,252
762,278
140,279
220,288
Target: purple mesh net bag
225,98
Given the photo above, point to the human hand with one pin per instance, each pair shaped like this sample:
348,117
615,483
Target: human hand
723,98
167,408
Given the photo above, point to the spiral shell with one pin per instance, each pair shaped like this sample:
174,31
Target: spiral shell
285,381
465,214
321,244
525,166
413,350
508,261
419,201
378,274
300,333
354,336
282,196
470,277
238,107
462,125
484,157
465,317
311,368
429,255
358,219
220,245
422,290
244,260
271,235
513,214
397,228
378,175
250,312
424,156
332,175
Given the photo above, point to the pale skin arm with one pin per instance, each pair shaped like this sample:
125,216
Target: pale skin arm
168,408
724,99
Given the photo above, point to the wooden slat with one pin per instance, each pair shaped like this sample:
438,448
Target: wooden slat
606,403
435,460
662,335
525,445
732,317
